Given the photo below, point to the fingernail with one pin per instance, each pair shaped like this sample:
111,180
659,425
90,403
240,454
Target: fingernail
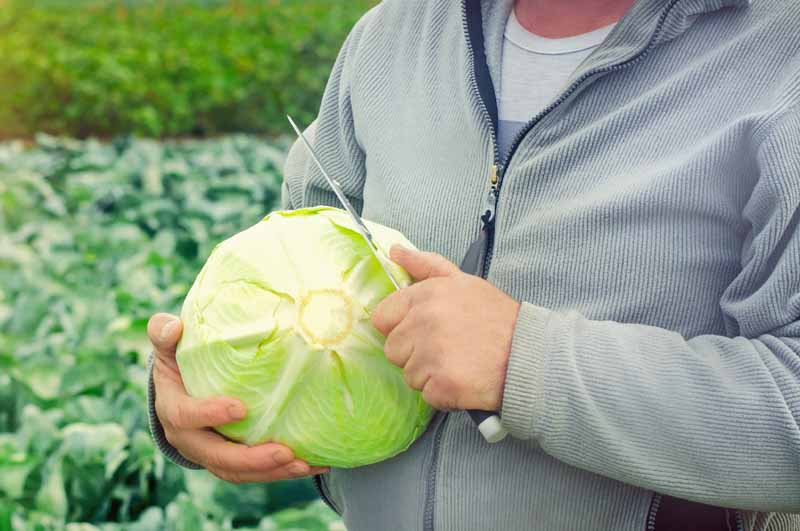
236,411
167,329
296,469
281,457
398,250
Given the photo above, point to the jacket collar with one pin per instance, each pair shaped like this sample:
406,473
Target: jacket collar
647,23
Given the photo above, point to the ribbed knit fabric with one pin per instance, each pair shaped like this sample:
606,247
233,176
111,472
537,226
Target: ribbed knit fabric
649,224
156,429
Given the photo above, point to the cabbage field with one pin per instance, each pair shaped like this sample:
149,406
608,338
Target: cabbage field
94,237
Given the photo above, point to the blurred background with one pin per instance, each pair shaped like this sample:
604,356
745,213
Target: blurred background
134,136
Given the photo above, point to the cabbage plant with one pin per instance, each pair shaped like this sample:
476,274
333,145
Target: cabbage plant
279,317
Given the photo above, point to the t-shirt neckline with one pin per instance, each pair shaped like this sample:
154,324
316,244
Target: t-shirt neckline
521,37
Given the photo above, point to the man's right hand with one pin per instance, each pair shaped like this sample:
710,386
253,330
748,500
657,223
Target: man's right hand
187,420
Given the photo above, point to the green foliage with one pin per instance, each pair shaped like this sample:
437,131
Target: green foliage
93,239
166,68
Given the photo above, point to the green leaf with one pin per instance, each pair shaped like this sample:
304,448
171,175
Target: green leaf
52,498
90,246
86,444
13,476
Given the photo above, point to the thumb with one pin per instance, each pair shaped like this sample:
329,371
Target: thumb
164,331
421,265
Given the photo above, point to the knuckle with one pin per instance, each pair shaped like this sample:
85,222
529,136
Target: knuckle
393,355
214,413
389,346
214,460
429,395
408,378
449,387
252,461
172,437
446,393
377,317
161,411
413,379
179,416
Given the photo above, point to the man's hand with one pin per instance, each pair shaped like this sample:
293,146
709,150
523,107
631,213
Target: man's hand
450,333
187,420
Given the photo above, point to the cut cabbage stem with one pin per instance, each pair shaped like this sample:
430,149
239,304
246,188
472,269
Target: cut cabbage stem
325,317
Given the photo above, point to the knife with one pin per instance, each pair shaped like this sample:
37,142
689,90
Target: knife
488,422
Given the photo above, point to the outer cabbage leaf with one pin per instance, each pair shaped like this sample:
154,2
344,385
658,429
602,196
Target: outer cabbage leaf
279,317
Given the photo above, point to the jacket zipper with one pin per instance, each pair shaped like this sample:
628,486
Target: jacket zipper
487,218
320,488
564,96
655,503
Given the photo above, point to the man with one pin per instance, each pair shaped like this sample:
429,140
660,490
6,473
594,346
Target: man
631,171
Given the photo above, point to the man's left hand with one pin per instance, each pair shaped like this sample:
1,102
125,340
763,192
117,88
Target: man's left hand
450,333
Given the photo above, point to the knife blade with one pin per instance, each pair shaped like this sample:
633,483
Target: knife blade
337,189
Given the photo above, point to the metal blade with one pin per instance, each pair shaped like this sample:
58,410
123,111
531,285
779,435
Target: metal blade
337,189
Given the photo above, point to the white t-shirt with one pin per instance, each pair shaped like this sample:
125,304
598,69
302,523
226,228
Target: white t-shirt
534,72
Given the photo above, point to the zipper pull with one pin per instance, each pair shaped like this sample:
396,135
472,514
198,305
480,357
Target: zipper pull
491,198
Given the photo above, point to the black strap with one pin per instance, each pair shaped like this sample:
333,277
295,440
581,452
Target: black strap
472,263
675,514
482,76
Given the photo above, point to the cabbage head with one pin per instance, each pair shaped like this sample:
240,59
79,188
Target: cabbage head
279,317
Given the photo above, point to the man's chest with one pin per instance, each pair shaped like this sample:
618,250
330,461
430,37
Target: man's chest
616,189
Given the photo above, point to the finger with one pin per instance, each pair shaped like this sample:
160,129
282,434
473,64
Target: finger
416,374
399,345
213,451
422,265
164,331
295,470
392,310
438,396
185,412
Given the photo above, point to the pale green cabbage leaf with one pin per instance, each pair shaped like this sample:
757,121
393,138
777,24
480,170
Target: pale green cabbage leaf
279,317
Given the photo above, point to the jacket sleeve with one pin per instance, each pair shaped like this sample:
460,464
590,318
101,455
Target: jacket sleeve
335,140
333,137
712,419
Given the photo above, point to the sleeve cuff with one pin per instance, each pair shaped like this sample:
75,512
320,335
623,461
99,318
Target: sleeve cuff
156,429
523,394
